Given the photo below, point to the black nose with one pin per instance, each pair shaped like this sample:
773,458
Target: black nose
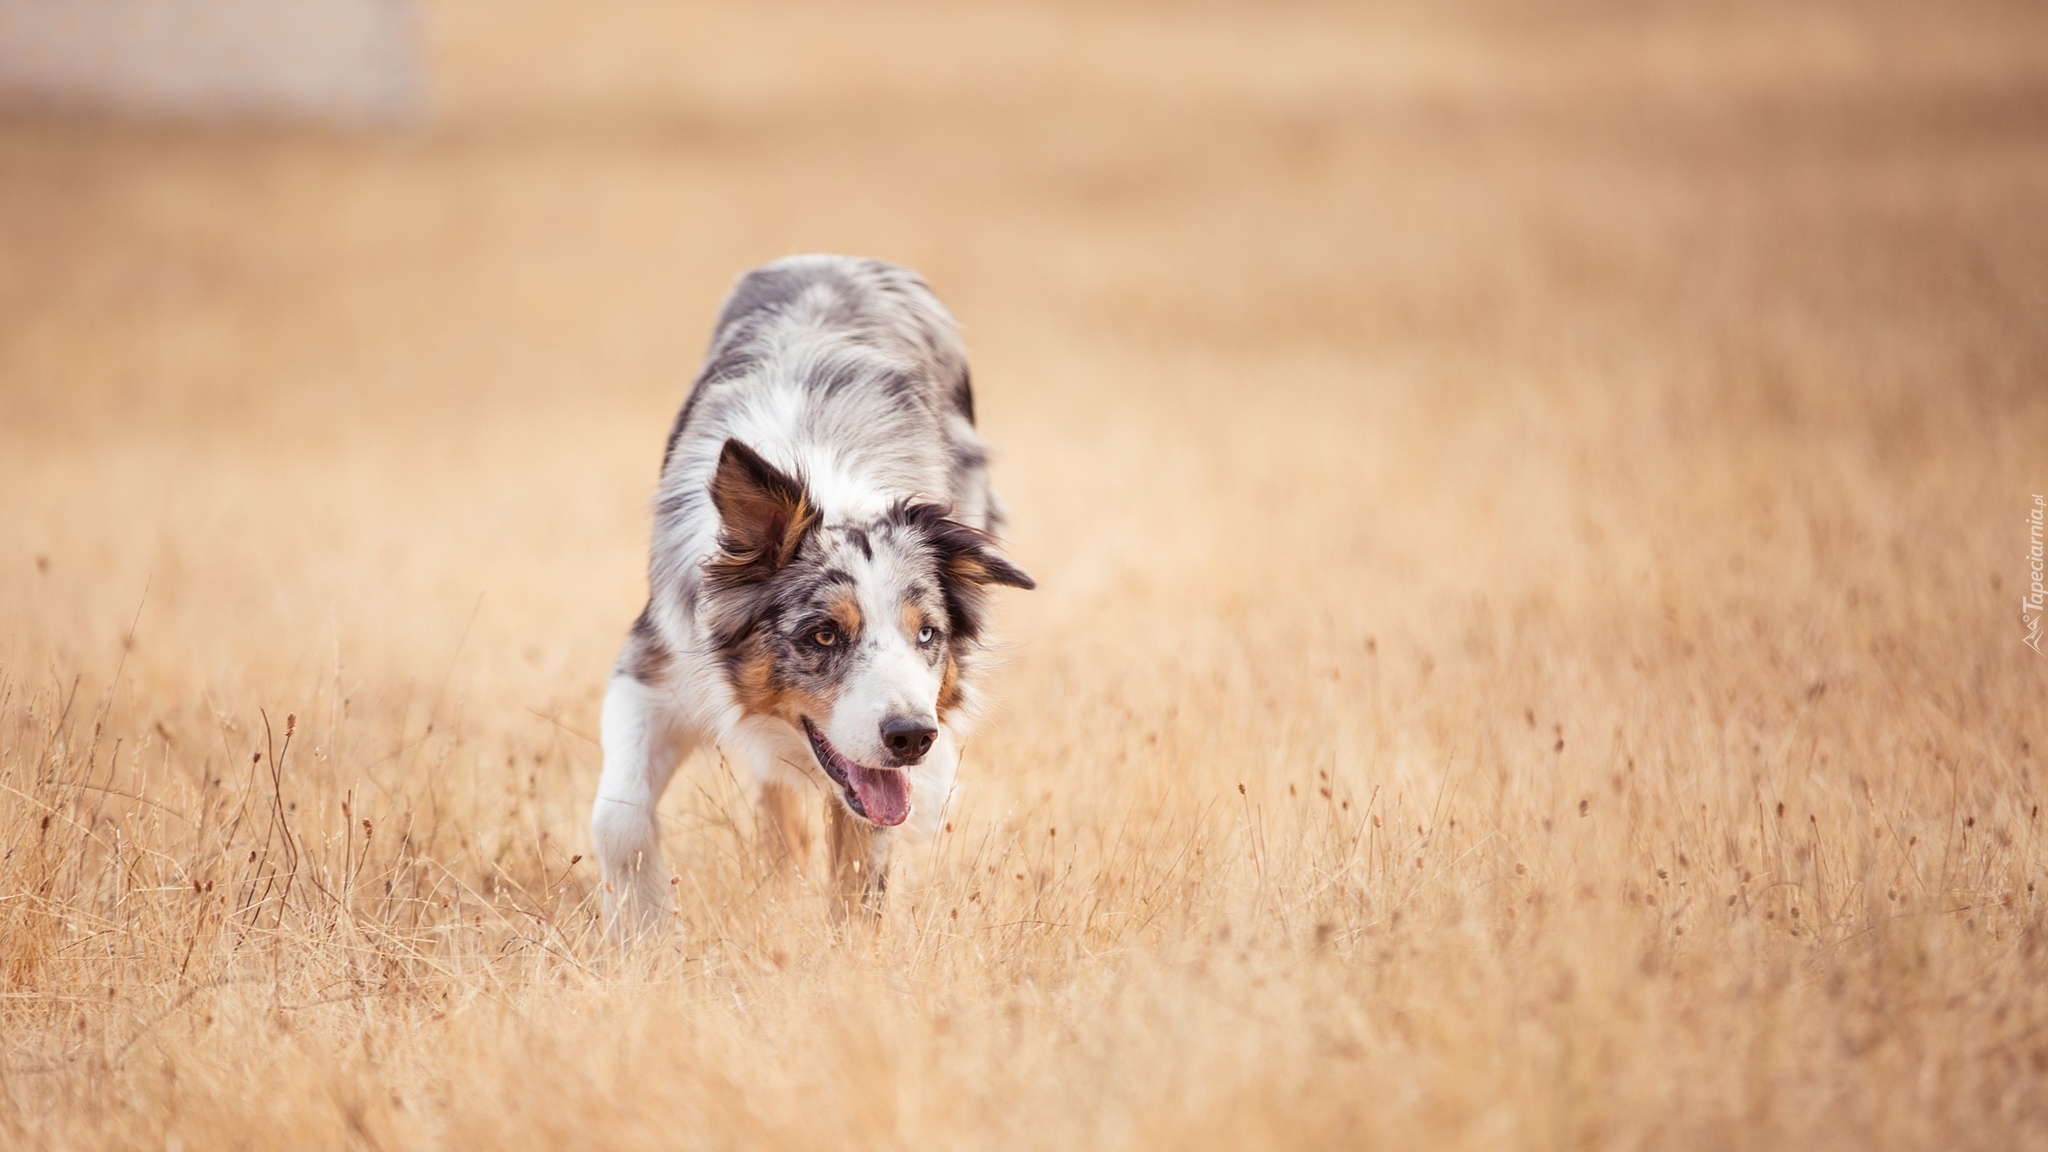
907,738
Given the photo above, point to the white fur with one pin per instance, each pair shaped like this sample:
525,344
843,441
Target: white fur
857,459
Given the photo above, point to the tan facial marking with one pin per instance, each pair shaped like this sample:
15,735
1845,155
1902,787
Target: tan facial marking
755,688
950,695
844,611
753,683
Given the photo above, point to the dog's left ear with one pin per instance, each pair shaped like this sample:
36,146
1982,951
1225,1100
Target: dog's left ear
980,563
966,555
968,565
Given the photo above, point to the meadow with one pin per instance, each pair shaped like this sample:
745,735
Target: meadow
1530,509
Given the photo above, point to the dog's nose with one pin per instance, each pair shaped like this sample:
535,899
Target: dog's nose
908,738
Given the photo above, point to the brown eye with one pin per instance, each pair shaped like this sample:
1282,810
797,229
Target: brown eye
825,637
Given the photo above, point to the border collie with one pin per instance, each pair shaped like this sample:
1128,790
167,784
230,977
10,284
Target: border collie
823,543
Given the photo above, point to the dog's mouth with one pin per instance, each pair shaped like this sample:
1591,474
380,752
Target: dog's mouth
879,795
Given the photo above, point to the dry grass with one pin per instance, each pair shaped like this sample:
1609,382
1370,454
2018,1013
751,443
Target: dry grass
1529,510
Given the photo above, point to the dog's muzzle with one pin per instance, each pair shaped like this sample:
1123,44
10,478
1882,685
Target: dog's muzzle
878,795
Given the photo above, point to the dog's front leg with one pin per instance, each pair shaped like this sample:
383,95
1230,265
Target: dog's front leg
785,832
860,865
643,743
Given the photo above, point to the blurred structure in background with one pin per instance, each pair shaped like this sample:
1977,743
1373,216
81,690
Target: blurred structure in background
324,60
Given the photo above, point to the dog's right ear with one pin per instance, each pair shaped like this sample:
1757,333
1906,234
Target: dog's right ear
763,513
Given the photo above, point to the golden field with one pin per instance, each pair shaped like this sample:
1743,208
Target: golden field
1530,509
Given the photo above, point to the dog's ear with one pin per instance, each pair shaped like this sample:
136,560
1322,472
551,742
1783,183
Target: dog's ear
968,564
763,513
976,561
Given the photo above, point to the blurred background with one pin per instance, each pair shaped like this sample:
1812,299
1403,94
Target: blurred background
333,60
338,340
1568,429
453,264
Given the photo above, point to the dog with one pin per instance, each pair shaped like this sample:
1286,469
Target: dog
825,538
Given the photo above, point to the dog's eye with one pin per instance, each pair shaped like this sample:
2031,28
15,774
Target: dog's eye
927,634
825,637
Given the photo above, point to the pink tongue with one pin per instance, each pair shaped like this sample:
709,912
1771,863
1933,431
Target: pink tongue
884,792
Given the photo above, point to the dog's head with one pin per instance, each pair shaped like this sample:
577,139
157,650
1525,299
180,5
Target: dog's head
857,635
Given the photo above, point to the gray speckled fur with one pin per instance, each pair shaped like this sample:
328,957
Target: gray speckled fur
835,356
847,374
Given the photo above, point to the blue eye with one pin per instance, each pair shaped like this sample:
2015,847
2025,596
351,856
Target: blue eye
927,634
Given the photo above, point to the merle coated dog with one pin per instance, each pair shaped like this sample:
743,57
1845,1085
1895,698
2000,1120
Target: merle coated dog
824,538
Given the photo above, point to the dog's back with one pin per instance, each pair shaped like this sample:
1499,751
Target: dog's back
882,305
849,371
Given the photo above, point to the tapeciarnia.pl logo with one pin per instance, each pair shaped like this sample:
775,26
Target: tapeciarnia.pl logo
2037,597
